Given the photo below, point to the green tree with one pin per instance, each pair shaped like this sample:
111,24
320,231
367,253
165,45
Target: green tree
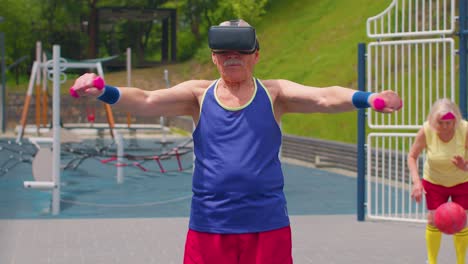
19,17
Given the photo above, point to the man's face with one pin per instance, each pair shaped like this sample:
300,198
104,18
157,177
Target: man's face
234,65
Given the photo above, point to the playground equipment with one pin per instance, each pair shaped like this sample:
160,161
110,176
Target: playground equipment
47,68
56,66
47,162
42,167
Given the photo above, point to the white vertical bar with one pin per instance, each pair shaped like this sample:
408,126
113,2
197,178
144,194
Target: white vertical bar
390,182
444,67
445,14
430,16
403,179
376,76
38,59
437,70
44,74
402,63
452,15
389,77
56,131
99,70
410,74
120,156
431,87
423,12
416,15
397,173
161,119
382,76
376,171
369,179
372,173
410,18
424,87
403,17
129,67
369,77
396,16
452,67
382,176
395,72
416,83
375,26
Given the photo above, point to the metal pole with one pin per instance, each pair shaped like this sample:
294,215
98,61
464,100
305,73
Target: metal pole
120,156
463,63
361,151
56,130
162,120
3,77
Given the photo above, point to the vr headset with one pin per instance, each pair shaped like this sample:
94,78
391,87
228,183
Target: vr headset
233,38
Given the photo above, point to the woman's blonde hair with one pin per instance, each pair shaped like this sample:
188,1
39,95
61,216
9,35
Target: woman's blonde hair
440,108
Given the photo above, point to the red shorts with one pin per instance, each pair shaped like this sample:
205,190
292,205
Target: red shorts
437,194
270,247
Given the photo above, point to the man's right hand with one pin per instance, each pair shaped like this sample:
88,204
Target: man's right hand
88,84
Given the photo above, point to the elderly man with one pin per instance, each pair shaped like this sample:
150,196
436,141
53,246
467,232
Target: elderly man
238,212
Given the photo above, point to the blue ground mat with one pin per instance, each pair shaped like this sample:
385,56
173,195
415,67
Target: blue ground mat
91,191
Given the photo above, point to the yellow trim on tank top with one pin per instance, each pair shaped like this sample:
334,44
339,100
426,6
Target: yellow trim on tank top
204,94
235,108
269,97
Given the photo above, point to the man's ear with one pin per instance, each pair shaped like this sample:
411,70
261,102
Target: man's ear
257,56
213,58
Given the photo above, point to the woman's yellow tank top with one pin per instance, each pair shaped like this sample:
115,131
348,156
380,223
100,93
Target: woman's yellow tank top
438,166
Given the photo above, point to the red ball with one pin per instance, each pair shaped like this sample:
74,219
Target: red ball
450,218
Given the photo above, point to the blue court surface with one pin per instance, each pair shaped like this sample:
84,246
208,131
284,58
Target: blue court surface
91,190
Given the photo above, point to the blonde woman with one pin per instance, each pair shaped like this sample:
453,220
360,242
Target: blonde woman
444,136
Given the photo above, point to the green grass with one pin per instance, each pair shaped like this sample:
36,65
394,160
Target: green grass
315,43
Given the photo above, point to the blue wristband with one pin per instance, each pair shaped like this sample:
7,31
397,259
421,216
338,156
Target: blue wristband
111,95
361,99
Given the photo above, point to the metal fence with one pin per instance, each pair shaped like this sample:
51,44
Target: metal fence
412,52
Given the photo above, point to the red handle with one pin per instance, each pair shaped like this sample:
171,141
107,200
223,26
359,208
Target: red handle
97,83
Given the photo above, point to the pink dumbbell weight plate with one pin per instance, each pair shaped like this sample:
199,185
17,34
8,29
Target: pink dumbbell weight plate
379,103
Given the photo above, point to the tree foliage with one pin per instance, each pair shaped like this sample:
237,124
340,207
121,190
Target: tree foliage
73,24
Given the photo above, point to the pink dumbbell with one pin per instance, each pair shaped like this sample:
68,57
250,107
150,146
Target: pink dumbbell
379,103
97,83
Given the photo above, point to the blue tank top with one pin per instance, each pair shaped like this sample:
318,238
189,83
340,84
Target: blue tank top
237,181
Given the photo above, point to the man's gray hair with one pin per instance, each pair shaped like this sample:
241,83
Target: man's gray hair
235,23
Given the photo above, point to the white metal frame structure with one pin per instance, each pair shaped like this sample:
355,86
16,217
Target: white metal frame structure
420,70
413,18
414,55
389,181
56,68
